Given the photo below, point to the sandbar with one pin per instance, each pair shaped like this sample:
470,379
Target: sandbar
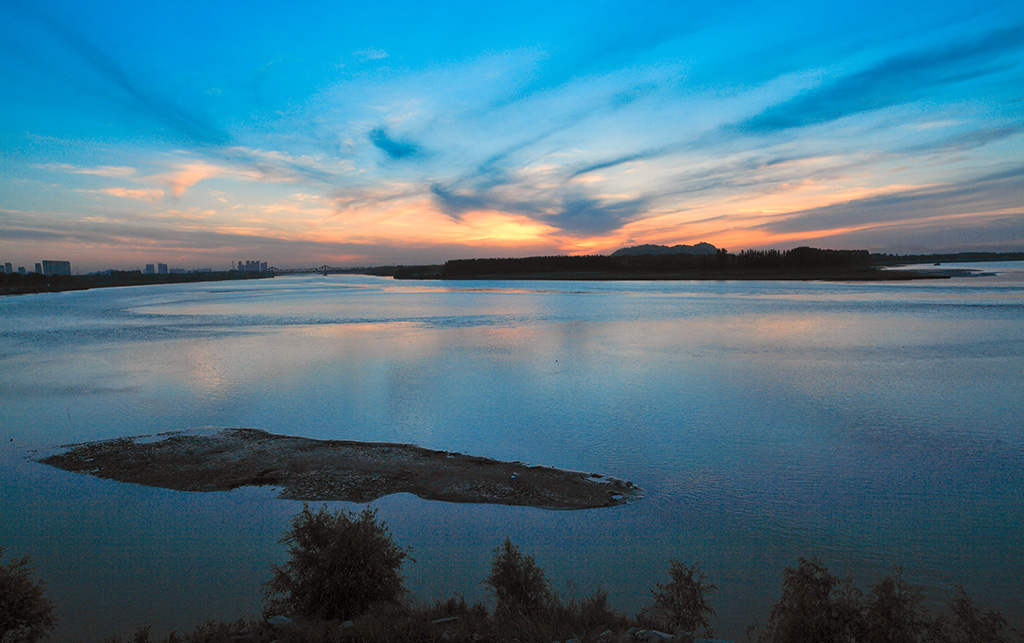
307,469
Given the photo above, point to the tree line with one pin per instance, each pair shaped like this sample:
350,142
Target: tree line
797,260
342,582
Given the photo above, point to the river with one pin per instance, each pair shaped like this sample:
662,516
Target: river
868,424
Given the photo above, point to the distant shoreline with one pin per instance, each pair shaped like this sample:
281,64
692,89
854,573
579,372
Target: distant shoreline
798,264
703,275
825,265
33,283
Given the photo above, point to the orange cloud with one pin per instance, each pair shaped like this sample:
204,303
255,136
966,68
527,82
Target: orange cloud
152,195
186,175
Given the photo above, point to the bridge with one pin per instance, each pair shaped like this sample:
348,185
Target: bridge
337,270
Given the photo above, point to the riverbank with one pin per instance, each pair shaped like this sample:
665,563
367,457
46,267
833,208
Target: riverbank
19,284
307,469
870,274
798,264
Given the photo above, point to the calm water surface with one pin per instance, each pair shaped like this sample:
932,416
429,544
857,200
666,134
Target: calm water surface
868,424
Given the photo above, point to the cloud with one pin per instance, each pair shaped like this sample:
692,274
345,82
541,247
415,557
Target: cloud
965,141
992,232
131,92
455,201
895,81
632,157
100,245
150,195
108,171
259,166
994,193
277,166
561,207
185,175
396,149
582,215
643,29
455,204
182,120
372,53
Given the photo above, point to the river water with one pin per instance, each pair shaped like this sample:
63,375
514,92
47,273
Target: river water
869,424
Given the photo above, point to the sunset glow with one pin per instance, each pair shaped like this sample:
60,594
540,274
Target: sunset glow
392,133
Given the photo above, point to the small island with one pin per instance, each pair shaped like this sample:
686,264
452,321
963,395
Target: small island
308,469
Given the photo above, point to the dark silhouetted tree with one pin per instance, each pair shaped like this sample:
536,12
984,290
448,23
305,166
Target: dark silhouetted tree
815,607
341,564
26,614
894,612
964,622
683,602
518,583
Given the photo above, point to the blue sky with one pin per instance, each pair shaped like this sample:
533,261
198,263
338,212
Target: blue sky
198,134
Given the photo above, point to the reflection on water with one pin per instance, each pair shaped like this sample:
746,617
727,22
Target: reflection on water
870,424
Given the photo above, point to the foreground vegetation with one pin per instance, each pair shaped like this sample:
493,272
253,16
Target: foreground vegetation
343,583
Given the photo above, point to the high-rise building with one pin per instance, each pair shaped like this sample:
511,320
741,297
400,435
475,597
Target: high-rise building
51,267
39,268
150,269
8,268
252,265
161,268
21,270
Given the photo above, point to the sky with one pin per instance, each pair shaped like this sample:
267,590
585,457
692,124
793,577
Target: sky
199,134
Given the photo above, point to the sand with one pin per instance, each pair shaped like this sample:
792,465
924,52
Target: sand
307,469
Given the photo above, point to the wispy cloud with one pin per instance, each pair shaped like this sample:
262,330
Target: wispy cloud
618,44
395,148
149,195
372,53
185,175
631,157
129,91
108,171
586,216
456,203
894,81
999,192
962,141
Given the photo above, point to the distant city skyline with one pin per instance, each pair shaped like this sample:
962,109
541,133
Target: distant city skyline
404,133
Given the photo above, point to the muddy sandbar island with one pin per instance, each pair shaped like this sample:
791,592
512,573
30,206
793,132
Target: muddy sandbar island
307,469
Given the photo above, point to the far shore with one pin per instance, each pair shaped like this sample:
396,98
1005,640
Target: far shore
873,274
33,283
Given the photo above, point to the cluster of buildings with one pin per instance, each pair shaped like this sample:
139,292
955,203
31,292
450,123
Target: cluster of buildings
162,269
45,267
48,267
242,266
252,266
